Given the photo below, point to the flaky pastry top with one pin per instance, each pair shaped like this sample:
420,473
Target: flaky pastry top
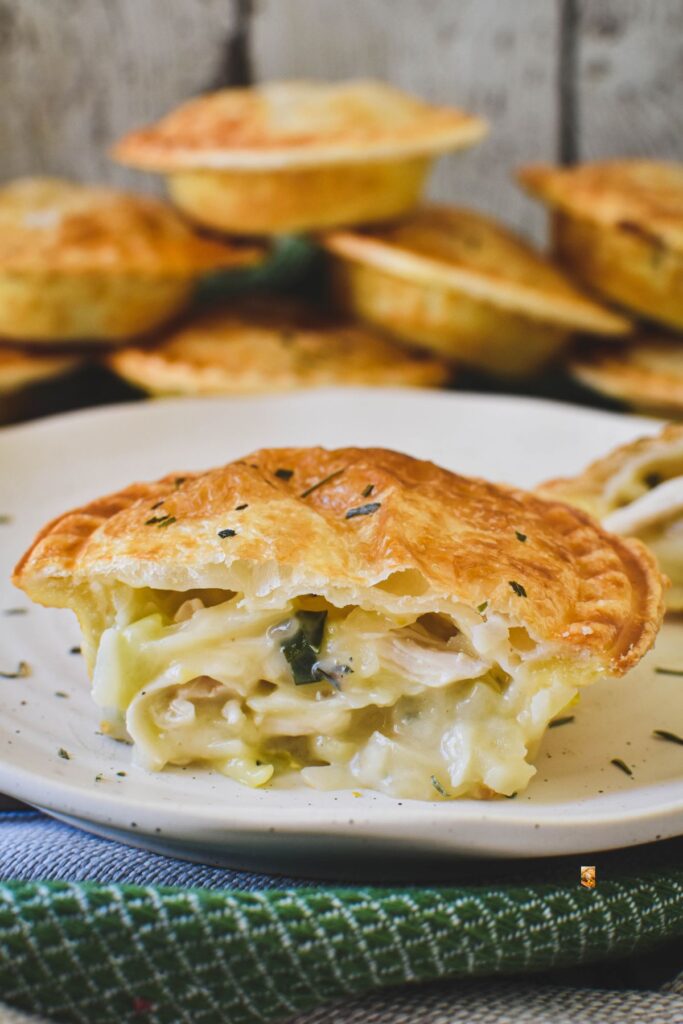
50,225
297,124
645,196
352,519
456,248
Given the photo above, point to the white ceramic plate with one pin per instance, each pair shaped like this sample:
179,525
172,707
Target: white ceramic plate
578,801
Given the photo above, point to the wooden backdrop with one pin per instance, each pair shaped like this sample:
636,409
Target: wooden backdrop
559,80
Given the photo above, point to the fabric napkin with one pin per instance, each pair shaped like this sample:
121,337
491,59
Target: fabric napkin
93,932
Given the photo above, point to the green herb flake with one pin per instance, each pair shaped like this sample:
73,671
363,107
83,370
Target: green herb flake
303,649
179,481
121,775
284,474
15,611
157,504
561,721
518,588
321,483
368,491
438,787
668,671
363,510
240,508
520,536
5,519
99,777
621,765
227,532
60,693
160,521
75,650
22,671
481,608
64,754
670,737
510,796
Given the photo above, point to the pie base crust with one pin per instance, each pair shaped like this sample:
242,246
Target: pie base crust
303,199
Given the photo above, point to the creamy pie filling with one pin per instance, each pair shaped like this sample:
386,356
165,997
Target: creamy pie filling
423,705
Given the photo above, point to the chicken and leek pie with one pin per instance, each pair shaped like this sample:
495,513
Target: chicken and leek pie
267,343
85,263
359,615
618,226
297,156
456,282
646,374
637,491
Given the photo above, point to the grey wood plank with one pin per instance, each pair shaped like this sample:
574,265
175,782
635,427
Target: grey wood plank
496,58
76,74
630,78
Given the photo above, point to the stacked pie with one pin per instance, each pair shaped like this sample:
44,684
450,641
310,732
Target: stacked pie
85,266
617,227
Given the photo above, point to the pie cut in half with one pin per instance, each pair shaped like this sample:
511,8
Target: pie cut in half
360,616
646,374
90,264
267,343
618,227
458,283
298,156
637,491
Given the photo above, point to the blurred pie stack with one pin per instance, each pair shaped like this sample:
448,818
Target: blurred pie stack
400,292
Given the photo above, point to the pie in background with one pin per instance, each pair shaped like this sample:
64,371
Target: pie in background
20,369
267,343
618,227
462,285
299,155
646,374
84,263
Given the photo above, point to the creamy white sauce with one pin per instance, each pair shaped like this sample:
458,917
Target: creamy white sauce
409,705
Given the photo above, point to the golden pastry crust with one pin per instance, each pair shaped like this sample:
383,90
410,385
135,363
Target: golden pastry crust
591,594
618,227
270,343
19,369
287,125
646,374
642,195
50,226
468,252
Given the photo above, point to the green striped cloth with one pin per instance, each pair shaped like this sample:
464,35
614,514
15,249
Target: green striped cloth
84,952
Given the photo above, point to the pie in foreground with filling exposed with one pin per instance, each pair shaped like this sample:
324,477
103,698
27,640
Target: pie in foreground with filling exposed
358,616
